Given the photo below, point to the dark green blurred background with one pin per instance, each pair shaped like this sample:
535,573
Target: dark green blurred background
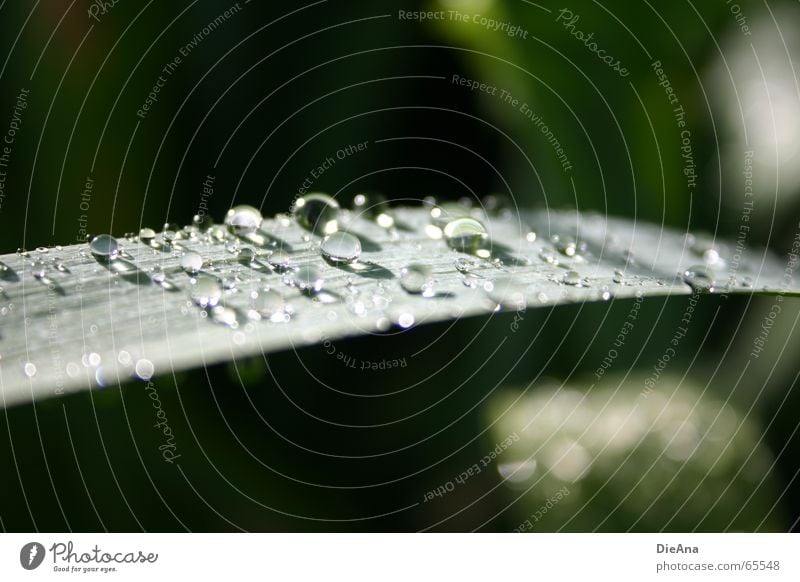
278,87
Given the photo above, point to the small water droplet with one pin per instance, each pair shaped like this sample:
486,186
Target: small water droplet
225,316
104,247
700,278
548,257
507,292
29,369
405,320
465,235
308,279
191,262
317,212
144,369
206,291
619,276
147,235
572,278
416,278
280,261
341,247
530,237
565,245
269,304
243,219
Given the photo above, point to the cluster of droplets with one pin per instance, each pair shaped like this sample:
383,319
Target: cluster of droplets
327,229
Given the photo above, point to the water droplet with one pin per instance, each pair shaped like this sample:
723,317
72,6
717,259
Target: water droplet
29,369
147,235
243,219
699,277
317,212
144,369
572,278
104,247
206,291
465,234
507,292
463,265
280,261
191,262
341,247
405,320
531,236
308,279
416,278
548,257
619,276
225,316
268,304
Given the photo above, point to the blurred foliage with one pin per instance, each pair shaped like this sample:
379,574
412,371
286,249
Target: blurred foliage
265,99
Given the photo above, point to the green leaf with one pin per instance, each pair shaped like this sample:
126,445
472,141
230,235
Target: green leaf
72,321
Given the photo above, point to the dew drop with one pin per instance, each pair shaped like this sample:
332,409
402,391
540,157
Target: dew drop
405,320
104,247
147,235
341,247
507,292
572,278
192,262
29,369
225,316
144,369
206,291
465,234
416,278
280,261
700,278
619,276
317,212
243,219
268,304
308,279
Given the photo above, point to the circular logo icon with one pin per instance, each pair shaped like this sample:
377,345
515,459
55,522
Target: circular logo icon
31,555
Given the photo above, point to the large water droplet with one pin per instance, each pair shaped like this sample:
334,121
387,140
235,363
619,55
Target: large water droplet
341,247
192,262
104,247
416,278
206,291
466,235
317,212
243,219
699,277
